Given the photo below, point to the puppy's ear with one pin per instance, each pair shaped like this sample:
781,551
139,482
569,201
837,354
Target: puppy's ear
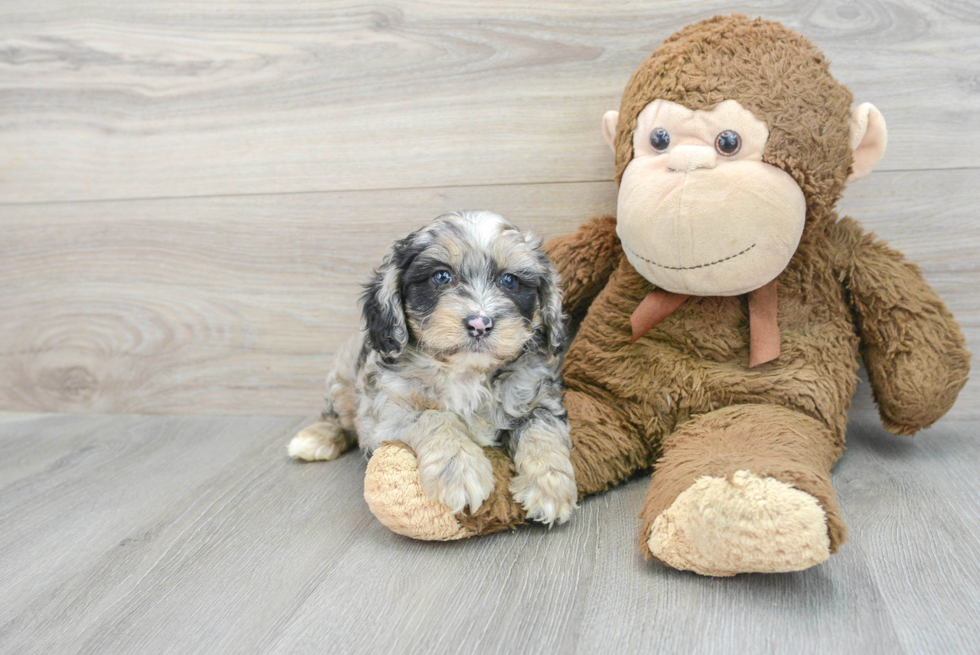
550,300
382,307
551,315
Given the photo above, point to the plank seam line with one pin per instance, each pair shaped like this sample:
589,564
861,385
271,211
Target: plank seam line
205,196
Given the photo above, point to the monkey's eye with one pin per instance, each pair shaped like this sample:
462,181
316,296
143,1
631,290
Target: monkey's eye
728,143
659,139
442,278
508,281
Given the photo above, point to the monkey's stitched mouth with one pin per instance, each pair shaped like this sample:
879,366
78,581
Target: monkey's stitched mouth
688,268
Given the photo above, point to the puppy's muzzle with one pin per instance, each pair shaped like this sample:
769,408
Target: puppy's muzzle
478,325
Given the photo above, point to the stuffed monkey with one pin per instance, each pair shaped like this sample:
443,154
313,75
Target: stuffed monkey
727,308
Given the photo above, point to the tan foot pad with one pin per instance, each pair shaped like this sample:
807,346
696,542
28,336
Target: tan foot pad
394,493
744,525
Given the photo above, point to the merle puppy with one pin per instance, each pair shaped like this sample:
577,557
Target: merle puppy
461,348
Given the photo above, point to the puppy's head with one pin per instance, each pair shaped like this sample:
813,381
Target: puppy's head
469,286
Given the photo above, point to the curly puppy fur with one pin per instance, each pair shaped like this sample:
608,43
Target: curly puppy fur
462,348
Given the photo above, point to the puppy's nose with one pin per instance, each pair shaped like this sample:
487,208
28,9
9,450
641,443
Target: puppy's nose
689,158
478,324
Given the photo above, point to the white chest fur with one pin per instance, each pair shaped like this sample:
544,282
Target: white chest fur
393,398
467,394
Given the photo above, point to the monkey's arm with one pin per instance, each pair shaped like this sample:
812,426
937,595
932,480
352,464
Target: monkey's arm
912,346
585,259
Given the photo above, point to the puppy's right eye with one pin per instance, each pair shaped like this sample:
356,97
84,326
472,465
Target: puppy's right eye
508,281
442,278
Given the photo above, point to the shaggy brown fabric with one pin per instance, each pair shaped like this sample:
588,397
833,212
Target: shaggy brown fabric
584,260
682,396
913,349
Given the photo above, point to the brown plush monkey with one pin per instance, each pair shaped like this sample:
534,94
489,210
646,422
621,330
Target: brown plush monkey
727,307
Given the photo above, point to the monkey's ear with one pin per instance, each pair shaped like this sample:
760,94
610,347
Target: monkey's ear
610,123
869,136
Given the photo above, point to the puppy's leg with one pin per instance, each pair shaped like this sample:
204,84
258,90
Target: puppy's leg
334,433
324,440
452,468
545,480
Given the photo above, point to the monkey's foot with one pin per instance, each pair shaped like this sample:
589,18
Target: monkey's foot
745,524
393,491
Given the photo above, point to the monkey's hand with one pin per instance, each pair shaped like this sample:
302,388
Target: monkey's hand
585,259
912,346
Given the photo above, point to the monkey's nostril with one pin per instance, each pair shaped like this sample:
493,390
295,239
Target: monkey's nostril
478,325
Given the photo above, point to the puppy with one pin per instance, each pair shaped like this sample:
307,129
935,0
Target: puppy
461,347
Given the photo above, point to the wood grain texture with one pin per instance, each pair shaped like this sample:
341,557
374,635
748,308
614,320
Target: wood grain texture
85,501
210,305
197,535
913,506
235,305
102,99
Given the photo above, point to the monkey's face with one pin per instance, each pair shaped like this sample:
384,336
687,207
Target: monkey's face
699,212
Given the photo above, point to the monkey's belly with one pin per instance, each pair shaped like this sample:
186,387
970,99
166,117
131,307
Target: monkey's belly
696,360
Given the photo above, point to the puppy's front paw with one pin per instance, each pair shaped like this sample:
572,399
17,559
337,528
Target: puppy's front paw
546,489
456,474
320,441
545,480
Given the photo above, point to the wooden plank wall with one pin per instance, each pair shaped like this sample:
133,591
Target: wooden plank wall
191,193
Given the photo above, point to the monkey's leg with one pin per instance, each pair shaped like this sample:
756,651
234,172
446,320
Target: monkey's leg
607,448
605,451
744,489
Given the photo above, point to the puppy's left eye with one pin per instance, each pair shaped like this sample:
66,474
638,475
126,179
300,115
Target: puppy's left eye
442,278
508,281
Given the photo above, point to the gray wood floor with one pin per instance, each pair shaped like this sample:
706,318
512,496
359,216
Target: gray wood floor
144,534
